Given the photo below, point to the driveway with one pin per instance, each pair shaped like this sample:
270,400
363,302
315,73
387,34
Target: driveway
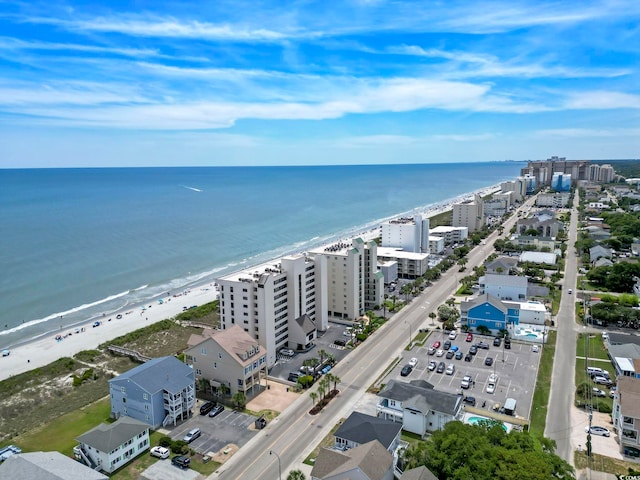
163,470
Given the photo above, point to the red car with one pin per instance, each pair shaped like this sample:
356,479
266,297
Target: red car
436,345
469,337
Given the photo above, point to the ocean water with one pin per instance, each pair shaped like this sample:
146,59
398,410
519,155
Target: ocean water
76,243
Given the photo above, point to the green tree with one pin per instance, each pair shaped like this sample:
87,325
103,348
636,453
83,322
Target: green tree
432,316
296,475
448,314
240,400
314,397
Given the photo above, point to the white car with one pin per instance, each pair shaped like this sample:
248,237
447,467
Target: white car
451,368
599,393
160,452
492,383
413,362
535,348
440,353
453,335
432,365
597,431
466,381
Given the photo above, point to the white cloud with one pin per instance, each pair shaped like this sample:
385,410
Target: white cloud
588,132
602,100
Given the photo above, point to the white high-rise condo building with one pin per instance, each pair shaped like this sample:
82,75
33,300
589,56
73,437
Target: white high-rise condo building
280,304
353,282
409,234
468,214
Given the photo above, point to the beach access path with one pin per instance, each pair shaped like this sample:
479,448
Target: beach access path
46,350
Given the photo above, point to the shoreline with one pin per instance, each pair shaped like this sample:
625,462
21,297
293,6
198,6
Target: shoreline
83,335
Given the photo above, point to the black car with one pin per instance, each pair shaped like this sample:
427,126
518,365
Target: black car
450,354
483,345
440,368
206,407
406,370
473,350
497,342
470,401
507,343
447,345
468,357
488,361
217,410
181,461
340,342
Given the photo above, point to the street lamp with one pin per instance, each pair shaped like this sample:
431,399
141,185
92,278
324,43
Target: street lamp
271,452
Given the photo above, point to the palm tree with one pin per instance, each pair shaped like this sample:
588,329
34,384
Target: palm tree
323,355
325,384
314,397
336,380
432,316
321,389
296,475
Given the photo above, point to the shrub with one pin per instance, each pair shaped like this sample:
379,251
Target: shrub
602,407
180,447
165,441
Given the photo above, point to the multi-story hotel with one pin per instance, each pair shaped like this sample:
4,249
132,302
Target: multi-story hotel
468,214
543,171
409,234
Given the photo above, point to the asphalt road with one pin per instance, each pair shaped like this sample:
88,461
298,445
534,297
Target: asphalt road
562,393
295,433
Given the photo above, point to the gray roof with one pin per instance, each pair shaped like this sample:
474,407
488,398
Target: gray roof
496,280
107,437
482,299
417,397
46,466
599,251
622,338
164,373
625,350
602,262
418,473
538,257
306,324
370,460
361,429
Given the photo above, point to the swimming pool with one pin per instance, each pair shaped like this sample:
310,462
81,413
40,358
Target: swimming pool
476,420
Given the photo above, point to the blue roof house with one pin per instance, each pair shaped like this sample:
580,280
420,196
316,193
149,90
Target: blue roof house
487,310
159,392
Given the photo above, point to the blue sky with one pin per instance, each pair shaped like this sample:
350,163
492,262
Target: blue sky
329,82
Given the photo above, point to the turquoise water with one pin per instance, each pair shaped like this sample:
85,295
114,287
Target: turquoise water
476,420
79,242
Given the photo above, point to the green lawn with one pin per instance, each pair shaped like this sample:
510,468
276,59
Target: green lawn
597,358
596,347
543,385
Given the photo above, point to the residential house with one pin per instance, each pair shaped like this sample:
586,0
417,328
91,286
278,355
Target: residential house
502,266
602,262
418,406
626,417
504,287
597,233
626,359
599,251
360,428
159,392
228,357
370,461
418,473
46,466
110,446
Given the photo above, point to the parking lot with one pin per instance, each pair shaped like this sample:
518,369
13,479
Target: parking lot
516,368
325,340
217,432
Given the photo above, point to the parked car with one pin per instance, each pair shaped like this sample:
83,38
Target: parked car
466,381
492,383
447,345
570,291
436,345
507,343
468,357
432,365
453,335
192,435
440,353
181,461
488,361
497,342
483,345
469,337
612,392
473,350
459,355
431,351
598,392
6,353
217,410
440,368
450,354
206,407
287,352
293,376
451,368
413,362
160,452
597,431
406,370
470,401
600,380
340,342
454,348
535,348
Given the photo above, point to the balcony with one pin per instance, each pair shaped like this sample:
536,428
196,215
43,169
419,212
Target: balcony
388,412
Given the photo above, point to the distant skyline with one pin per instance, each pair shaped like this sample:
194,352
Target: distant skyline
88,84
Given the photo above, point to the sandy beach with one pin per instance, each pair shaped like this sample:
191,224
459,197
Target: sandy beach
48,349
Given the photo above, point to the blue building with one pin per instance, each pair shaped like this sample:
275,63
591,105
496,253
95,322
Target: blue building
561,182
489,311
158,392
